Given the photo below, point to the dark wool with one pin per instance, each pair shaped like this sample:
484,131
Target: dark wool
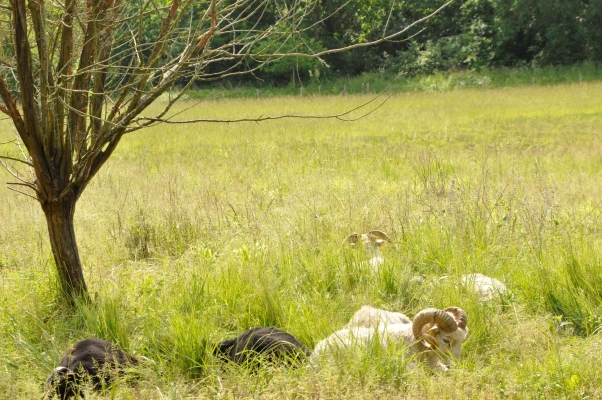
262,344
93,360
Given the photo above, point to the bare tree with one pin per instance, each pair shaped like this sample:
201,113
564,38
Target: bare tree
76,75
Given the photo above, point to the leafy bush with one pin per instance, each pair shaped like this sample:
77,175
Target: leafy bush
281,69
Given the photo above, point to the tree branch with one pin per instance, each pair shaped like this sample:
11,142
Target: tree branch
36,9
100,76
18,191
79,96
16,175
30,131
147,121
11,108
16,159
61,142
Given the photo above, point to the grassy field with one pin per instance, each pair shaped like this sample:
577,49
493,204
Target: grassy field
193,233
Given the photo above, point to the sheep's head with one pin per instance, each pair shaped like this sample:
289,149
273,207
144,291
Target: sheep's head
442,331
62,382
371,240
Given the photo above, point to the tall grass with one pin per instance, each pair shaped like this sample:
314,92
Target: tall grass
194,233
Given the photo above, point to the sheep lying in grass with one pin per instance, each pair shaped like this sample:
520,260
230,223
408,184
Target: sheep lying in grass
261,344
487,288
369,317
372,242
91,360
435,336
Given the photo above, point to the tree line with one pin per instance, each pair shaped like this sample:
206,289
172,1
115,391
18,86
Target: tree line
467,34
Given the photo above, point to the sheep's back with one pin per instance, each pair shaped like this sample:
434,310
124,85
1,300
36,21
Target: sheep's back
358,337
370,317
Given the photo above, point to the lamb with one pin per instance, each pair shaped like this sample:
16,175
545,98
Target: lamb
435,336
487,288
372,241
262,344
93,360
369,317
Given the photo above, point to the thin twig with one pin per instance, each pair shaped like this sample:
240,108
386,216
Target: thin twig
16,159
23,193
268,118
339,117
15,174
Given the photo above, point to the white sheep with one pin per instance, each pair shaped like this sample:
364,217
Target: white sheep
487,288
368,317
372,241
434,336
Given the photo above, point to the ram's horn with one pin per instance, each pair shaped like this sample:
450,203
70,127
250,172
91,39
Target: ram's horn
432,315
459,315
380,235
352,239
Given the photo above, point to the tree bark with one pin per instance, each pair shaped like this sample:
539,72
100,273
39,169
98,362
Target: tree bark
59,214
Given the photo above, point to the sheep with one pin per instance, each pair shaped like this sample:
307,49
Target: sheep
94,360
434,336
487,288
372,241
368,316
262,344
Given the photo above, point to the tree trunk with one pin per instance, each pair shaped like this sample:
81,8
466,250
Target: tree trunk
59,217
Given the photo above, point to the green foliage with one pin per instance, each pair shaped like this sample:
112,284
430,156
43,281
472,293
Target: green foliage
281,70
467,35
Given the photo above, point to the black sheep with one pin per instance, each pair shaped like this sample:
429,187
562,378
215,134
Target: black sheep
262,344
93,360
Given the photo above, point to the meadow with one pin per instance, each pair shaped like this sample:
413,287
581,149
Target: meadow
192,233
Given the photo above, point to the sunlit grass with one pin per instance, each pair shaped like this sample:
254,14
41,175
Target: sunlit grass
193,233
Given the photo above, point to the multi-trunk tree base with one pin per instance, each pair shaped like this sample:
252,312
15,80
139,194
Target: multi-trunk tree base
59,218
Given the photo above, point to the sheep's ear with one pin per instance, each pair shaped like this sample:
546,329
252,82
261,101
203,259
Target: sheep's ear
352,239
428,340
433,330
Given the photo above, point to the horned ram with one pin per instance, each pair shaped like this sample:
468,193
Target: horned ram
372,242
434,337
